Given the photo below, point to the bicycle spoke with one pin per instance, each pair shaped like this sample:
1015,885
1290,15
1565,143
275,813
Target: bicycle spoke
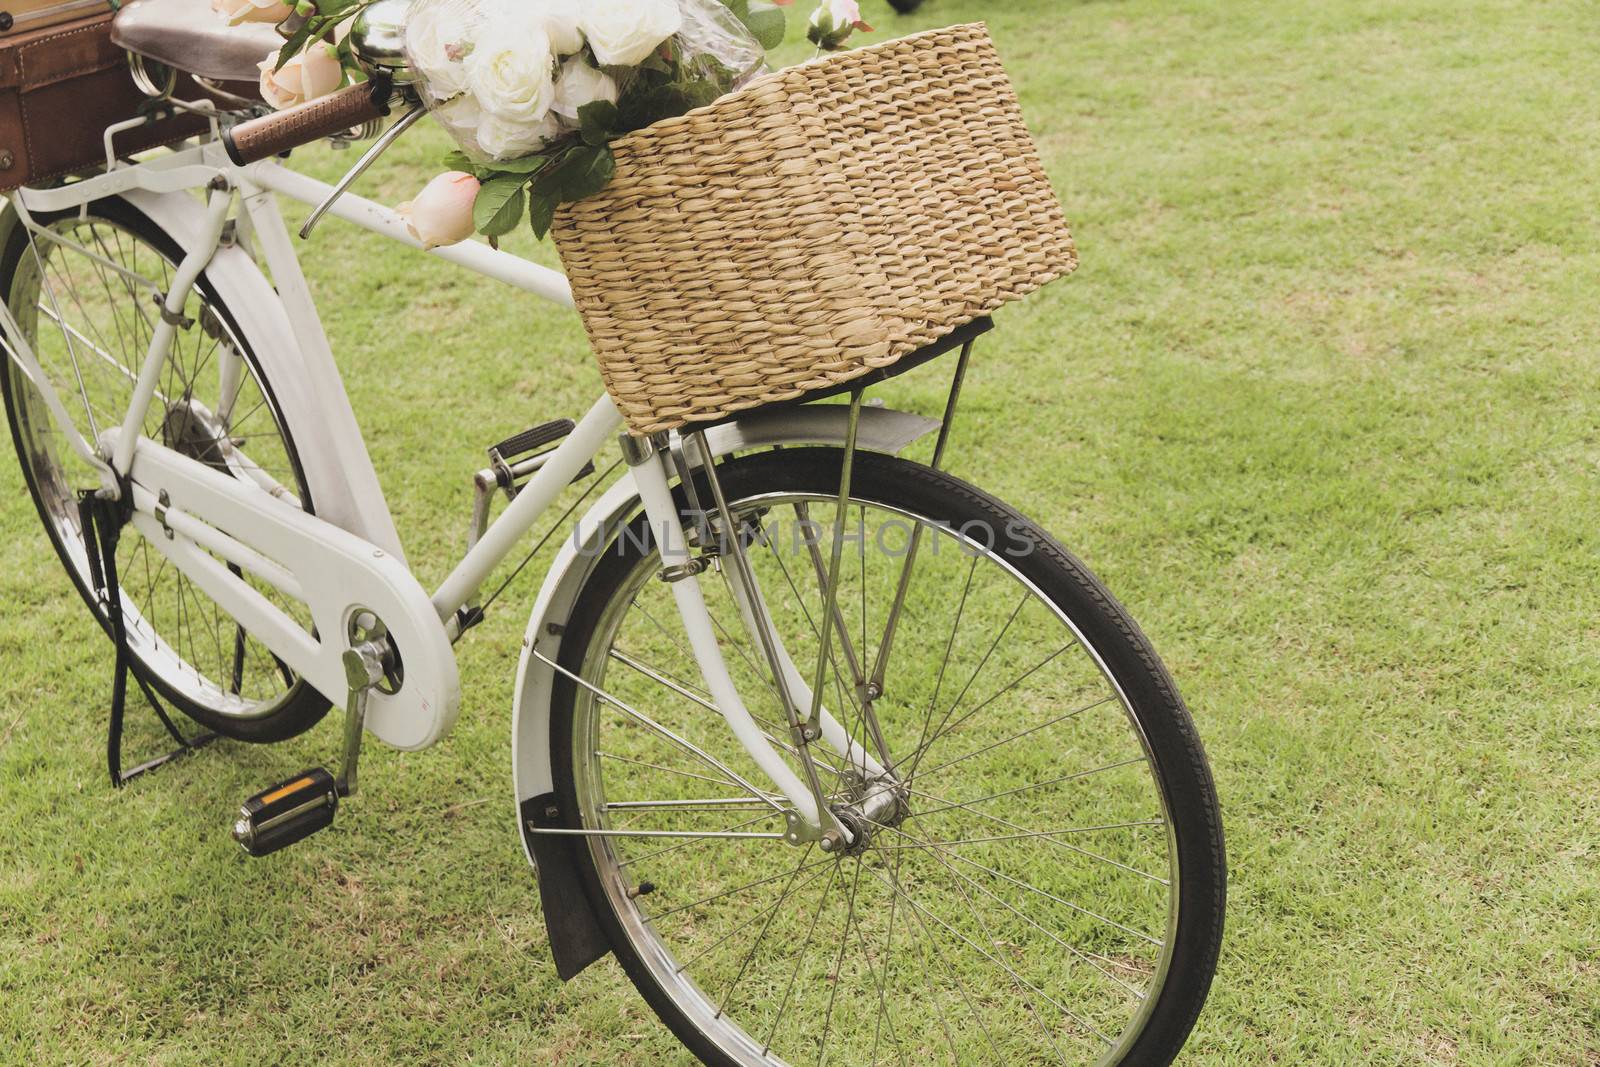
998,821
766,924
967,804
984,662
765,917
800,959
944,663
1032,834
1001,964
690,843
644,720
938,954
1080,909
888,958
746,887
659,767
983,928
1034,923
1018,736
838,965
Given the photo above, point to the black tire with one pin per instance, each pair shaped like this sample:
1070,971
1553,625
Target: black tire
905,7
301,706
1179,759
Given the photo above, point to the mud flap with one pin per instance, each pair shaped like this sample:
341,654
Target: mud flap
576,939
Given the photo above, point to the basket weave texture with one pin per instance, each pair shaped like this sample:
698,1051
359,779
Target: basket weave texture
820,223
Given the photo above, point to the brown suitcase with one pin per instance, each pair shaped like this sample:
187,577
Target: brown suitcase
25,16
60,87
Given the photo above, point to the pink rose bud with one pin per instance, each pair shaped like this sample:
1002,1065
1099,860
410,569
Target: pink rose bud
442,213
237,11
833,22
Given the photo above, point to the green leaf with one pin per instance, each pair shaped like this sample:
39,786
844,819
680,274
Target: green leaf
583,171
541,212
655,63
597,121
337,9
329,14
525,166
767,24
498,208
298,39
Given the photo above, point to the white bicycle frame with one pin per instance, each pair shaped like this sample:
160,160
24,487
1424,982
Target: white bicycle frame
347,558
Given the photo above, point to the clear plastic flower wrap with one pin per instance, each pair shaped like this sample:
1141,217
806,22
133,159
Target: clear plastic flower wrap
508,78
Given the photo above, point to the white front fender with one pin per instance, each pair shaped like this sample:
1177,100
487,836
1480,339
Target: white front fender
576,939
882,430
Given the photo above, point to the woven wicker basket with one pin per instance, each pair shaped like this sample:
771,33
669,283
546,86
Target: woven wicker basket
821,223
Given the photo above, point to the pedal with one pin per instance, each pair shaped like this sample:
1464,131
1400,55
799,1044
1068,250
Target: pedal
521,454
298,807
290,811
512,460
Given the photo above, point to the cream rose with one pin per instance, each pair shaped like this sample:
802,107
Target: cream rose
624,32
438,41
237,11
442,213
313,73
580,84
511,70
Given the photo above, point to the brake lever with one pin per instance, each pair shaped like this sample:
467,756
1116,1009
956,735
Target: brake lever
378,148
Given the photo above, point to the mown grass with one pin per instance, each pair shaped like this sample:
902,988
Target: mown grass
1317,406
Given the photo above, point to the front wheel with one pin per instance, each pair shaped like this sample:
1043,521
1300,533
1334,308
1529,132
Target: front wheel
1049,886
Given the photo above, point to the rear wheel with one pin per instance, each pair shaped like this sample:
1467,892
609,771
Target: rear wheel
1049,885
85,294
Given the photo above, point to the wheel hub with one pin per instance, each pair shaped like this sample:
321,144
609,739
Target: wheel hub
878,805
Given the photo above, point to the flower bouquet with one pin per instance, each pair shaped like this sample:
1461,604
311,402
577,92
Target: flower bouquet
535,91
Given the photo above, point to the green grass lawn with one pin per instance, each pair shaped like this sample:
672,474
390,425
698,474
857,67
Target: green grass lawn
1316,406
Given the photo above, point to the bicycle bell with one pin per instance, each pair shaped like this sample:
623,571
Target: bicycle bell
378,40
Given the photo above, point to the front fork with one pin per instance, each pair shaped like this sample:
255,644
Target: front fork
812,819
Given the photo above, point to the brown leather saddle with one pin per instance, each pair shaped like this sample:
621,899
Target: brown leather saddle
188,35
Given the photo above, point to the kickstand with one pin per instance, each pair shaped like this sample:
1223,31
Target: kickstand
101,521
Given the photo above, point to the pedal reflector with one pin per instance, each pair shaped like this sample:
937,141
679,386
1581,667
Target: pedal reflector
287,812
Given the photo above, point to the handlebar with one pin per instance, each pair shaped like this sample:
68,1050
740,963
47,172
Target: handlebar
311,121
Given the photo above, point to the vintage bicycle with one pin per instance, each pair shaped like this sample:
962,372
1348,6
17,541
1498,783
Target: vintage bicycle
844,759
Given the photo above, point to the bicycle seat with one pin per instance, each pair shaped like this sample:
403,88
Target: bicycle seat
189,35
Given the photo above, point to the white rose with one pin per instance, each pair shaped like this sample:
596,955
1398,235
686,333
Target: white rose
581,84
313,73
624,32
442,213
237,11
437,42
501,138
511,70
463,113
560,19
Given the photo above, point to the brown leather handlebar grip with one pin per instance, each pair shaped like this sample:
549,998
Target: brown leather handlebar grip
311,121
